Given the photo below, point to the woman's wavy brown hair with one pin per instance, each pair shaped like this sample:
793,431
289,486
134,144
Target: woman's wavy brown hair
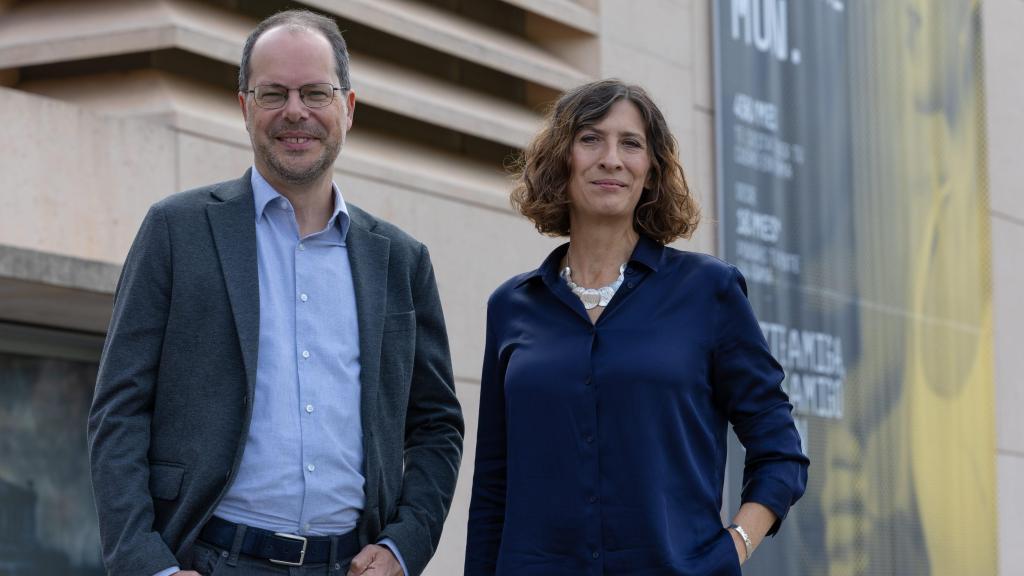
666,210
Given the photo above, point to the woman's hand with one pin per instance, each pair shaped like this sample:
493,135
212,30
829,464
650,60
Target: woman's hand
741,548
756,519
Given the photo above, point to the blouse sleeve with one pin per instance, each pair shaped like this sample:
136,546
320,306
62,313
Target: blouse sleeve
487,504
748,386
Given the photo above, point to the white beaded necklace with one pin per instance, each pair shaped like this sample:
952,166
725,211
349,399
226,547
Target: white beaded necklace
592,297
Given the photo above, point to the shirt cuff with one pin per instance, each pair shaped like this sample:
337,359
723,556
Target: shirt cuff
771,493
390,544
169,571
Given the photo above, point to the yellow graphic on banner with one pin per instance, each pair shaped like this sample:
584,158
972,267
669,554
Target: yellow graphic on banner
910,485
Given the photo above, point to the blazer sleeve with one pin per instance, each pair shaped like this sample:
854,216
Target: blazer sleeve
748,381
487,504
120,417
433,431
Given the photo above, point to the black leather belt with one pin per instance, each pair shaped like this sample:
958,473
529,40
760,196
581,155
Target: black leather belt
278,547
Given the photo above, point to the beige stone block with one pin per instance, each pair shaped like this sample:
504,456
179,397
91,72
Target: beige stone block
1004,83
657,28
1010,506
384,157
670,85
203,161
1008,285
451,552
701,172
73,185
109,27
703,54
576,15
441,30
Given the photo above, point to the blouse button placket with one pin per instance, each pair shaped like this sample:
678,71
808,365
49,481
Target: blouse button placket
591,448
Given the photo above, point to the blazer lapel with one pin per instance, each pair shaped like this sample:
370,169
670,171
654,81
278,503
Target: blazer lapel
368,257
233,222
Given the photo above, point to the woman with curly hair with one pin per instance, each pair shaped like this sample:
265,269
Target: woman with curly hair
612,371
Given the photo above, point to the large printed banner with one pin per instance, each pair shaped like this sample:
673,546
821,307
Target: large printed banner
852,196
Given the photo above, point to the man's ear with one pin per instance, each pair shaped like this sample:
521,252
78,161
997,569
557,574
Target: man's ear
350,106
243,103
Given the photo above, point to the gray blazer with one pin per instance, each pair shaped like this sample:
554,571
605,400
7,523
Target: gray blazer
172,404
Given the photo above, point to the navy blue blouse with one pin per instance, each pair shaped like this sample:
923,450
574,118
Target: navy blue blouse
601,446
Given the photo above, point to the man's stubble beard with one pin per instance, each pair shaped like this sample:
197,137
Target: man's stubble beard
299,177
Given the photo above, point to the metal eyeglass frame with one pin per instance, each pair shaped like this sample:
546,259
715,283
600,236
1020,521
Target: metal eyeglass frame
288,91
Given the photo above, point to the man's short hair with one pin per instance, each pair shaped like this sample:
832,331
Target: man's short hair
300,20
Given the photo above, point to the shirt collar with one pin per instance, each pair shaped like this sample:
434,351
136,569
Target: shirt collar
263,194
647,253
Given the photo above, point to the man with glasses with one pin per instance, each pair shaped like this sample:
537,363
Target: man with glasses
275,395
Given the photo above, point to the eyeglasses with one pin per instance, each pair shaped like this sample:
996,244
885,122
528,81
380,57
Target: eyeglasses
272,97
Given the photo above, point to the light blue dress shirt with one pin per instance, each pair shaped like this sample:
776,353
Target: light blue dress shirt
302,468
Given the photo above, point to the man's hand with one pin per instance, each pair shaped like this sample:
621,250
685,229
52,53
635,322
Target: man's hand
186,573
375,560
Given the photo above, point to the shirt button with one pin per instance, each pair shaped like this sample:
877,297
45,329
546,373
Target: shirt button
303,297
589,439
629,270
588,382
305,528
302,246
595,555
305,353
309,408
593,499
310,467
629,284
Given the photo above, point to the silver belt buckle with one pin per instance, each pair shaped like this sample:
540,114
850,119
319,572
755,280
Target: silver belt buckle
302,553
